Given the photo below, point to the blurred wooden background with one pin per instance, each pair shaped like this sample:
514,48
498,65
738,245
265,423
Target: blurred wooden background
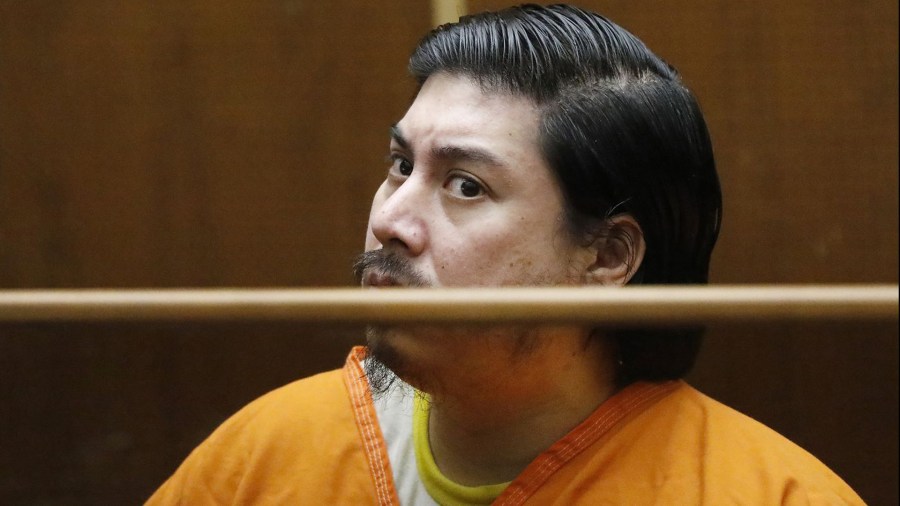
200,143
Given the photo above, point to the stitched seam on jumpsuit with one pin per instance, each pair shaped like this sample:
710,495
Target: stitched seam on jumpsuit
586,436
353,377
593,431
368,434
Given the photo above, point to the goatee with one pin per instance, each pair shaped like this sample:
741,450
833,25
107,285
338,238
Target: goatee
383,362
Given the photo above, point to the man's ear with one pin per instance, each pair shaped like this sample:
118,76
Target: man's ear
618,250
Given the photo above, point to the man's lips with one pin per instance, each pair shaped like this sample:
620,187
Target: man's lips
378,280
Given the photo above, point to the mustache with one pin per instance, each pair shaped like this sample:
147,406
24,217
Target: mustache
390,264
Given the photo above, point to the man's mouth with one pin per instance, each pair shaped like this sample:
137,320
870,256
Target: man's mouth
380,269
379,280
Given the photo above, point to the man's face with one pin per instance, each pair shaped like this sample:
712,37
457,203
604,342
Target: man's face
468,199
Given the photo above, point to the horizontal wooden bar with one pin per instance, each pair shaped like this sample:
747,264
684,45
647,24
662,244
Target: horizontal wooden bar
620,306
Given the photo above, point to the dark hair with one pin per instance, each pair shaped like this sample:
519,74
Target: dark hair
622,134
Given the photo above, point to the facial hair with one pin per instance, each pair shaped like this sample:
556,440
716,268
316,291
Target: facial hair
389,265
383,363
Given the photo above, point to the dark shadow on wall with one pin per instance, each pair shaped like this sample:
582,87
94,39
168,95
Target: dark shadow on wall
103,414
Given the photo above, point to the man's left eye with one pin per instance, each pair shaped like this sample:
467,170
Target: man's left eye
465,187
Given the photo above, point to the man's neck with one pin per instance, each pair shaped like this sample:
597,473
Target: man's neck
490,428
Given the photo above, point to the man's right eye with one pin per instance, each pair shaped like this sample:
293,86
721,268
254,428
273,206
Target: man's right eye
403,166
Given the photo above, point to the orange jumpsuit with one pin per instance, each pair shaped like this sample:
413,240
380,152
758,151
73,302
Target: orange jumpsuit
317,441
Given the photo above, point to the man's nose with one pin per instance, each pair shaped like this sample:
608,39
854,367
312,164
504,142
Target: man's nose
399,221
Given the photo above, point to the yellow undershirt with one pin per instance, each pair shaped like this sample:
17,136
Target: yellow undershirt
441,488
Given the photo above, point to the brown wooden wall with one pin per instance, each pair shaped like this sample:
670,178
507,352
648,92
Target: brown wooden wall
202,143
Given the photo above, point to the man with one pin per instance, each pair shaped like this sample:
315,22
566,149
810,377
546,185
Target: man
545,146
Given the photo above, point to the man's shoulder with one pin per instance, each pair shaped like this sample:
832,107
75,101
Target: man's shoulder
722,424
320,399
724,432
292,440
311,397
734,448
324,386
676,445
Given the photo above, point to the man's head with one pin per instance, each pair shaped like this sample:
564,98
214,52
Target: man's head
558,150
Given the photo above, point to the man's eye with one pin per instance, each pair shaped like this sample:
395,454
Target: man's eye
404,166
400,166
465,187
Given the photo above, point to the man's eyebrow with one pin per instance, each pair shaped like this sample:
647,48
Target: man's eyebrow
466,154
397,136
451,153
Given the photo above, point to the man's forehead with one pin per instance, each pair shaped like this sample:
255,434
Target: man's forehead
458,102
448,150
453,117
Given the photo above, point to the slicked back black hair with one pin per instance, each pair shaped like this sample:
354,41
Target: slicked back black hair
620,131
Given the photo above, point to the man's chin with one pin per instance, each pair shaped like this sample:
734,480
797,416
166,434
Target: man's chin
383,361
390,357
428,358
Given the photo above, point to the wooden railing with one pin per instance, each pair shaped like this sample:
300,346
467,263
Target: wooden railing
631,305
